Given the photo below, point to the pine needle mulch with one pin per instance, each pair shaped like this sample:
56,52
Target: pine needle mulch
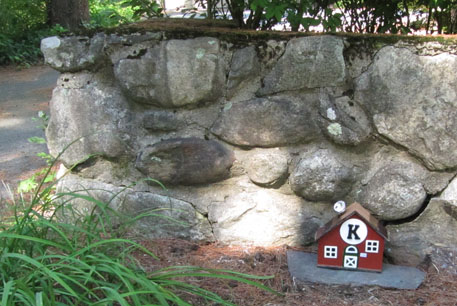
438,288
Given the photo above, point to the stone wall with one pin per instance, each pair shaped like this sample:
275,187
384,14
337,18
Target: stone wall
256,138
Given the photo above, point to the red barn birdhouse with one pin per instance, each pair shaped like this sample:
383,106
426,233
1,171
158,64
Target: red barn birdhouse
353,240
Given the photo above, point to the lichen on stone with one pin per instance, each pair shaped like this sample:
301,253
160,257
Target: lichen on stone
335,129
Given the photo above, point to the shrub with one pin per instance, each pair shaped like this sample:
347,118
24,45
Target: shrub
45,261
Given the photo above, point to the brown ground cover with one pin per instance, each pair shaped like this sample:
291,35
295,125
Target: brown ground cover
439,287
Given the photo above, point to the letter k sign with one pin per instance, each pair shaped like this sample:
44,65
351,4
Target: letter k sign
353,231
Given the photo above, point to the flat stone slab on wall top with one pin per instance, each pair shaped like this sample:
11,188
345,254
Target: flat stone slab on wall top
303,266
75,53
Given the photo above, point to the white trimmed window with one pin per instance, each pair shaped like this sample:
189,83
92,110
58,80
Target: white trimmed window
372,246
330,251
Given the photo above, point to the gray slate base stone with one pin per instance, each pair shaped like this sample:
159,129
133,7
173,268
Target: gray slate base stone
303,266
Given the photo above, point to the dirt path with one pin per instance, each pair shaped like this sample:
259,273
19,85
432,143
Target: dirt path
22,94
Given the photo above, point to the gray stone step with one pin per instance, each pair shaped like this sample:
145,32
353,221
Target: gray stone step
303,267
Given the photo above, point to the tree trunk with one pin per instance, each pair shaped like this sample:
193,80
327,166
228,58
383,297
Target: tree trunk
70,14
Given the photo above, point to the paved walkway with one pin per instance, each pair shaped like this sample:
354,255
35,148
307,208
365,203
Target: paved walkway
22,94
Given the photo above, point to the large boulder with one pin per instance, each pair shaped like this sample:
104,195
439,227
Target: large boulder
74,53
174,73
269,122
394,192
413,102
321,175
266,217
410,243
89,113
170,217
395,186
186,161
308,62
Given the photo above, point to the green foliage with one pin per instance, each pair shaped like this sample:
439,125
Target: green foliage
27,185
361,16
43,119
25,49
20,16
144,8
45,261
109,13
38,140
22,24
373,16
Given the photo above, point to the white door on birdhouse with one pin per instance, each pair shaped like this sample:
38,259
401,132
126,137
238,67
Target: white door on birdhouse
351,257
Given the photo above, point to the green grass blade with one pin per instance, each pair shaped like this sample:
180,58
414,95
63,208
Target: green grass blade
44,269
113,295
52,225
39,298
7,291
112,241
33,239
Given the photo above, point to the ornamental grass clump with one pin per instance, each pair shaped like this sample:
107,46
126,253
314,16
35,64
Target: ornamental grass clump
46,261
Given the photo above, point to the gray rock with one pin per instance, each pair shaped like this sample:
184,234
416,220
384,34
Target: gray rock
395,191
267,167
174,73
434,229
436,182
412,101
74,53
87,110
177,218
271,52
387,156
308,62
267,122
245,64
343,121
131,46
173,217
186,161
450,193
134,38
322,176
163,121
303,267
266,217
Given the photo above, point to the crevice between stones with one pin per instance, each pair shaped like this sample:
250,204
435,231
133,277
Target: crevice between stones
412,217
204,215
211,225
